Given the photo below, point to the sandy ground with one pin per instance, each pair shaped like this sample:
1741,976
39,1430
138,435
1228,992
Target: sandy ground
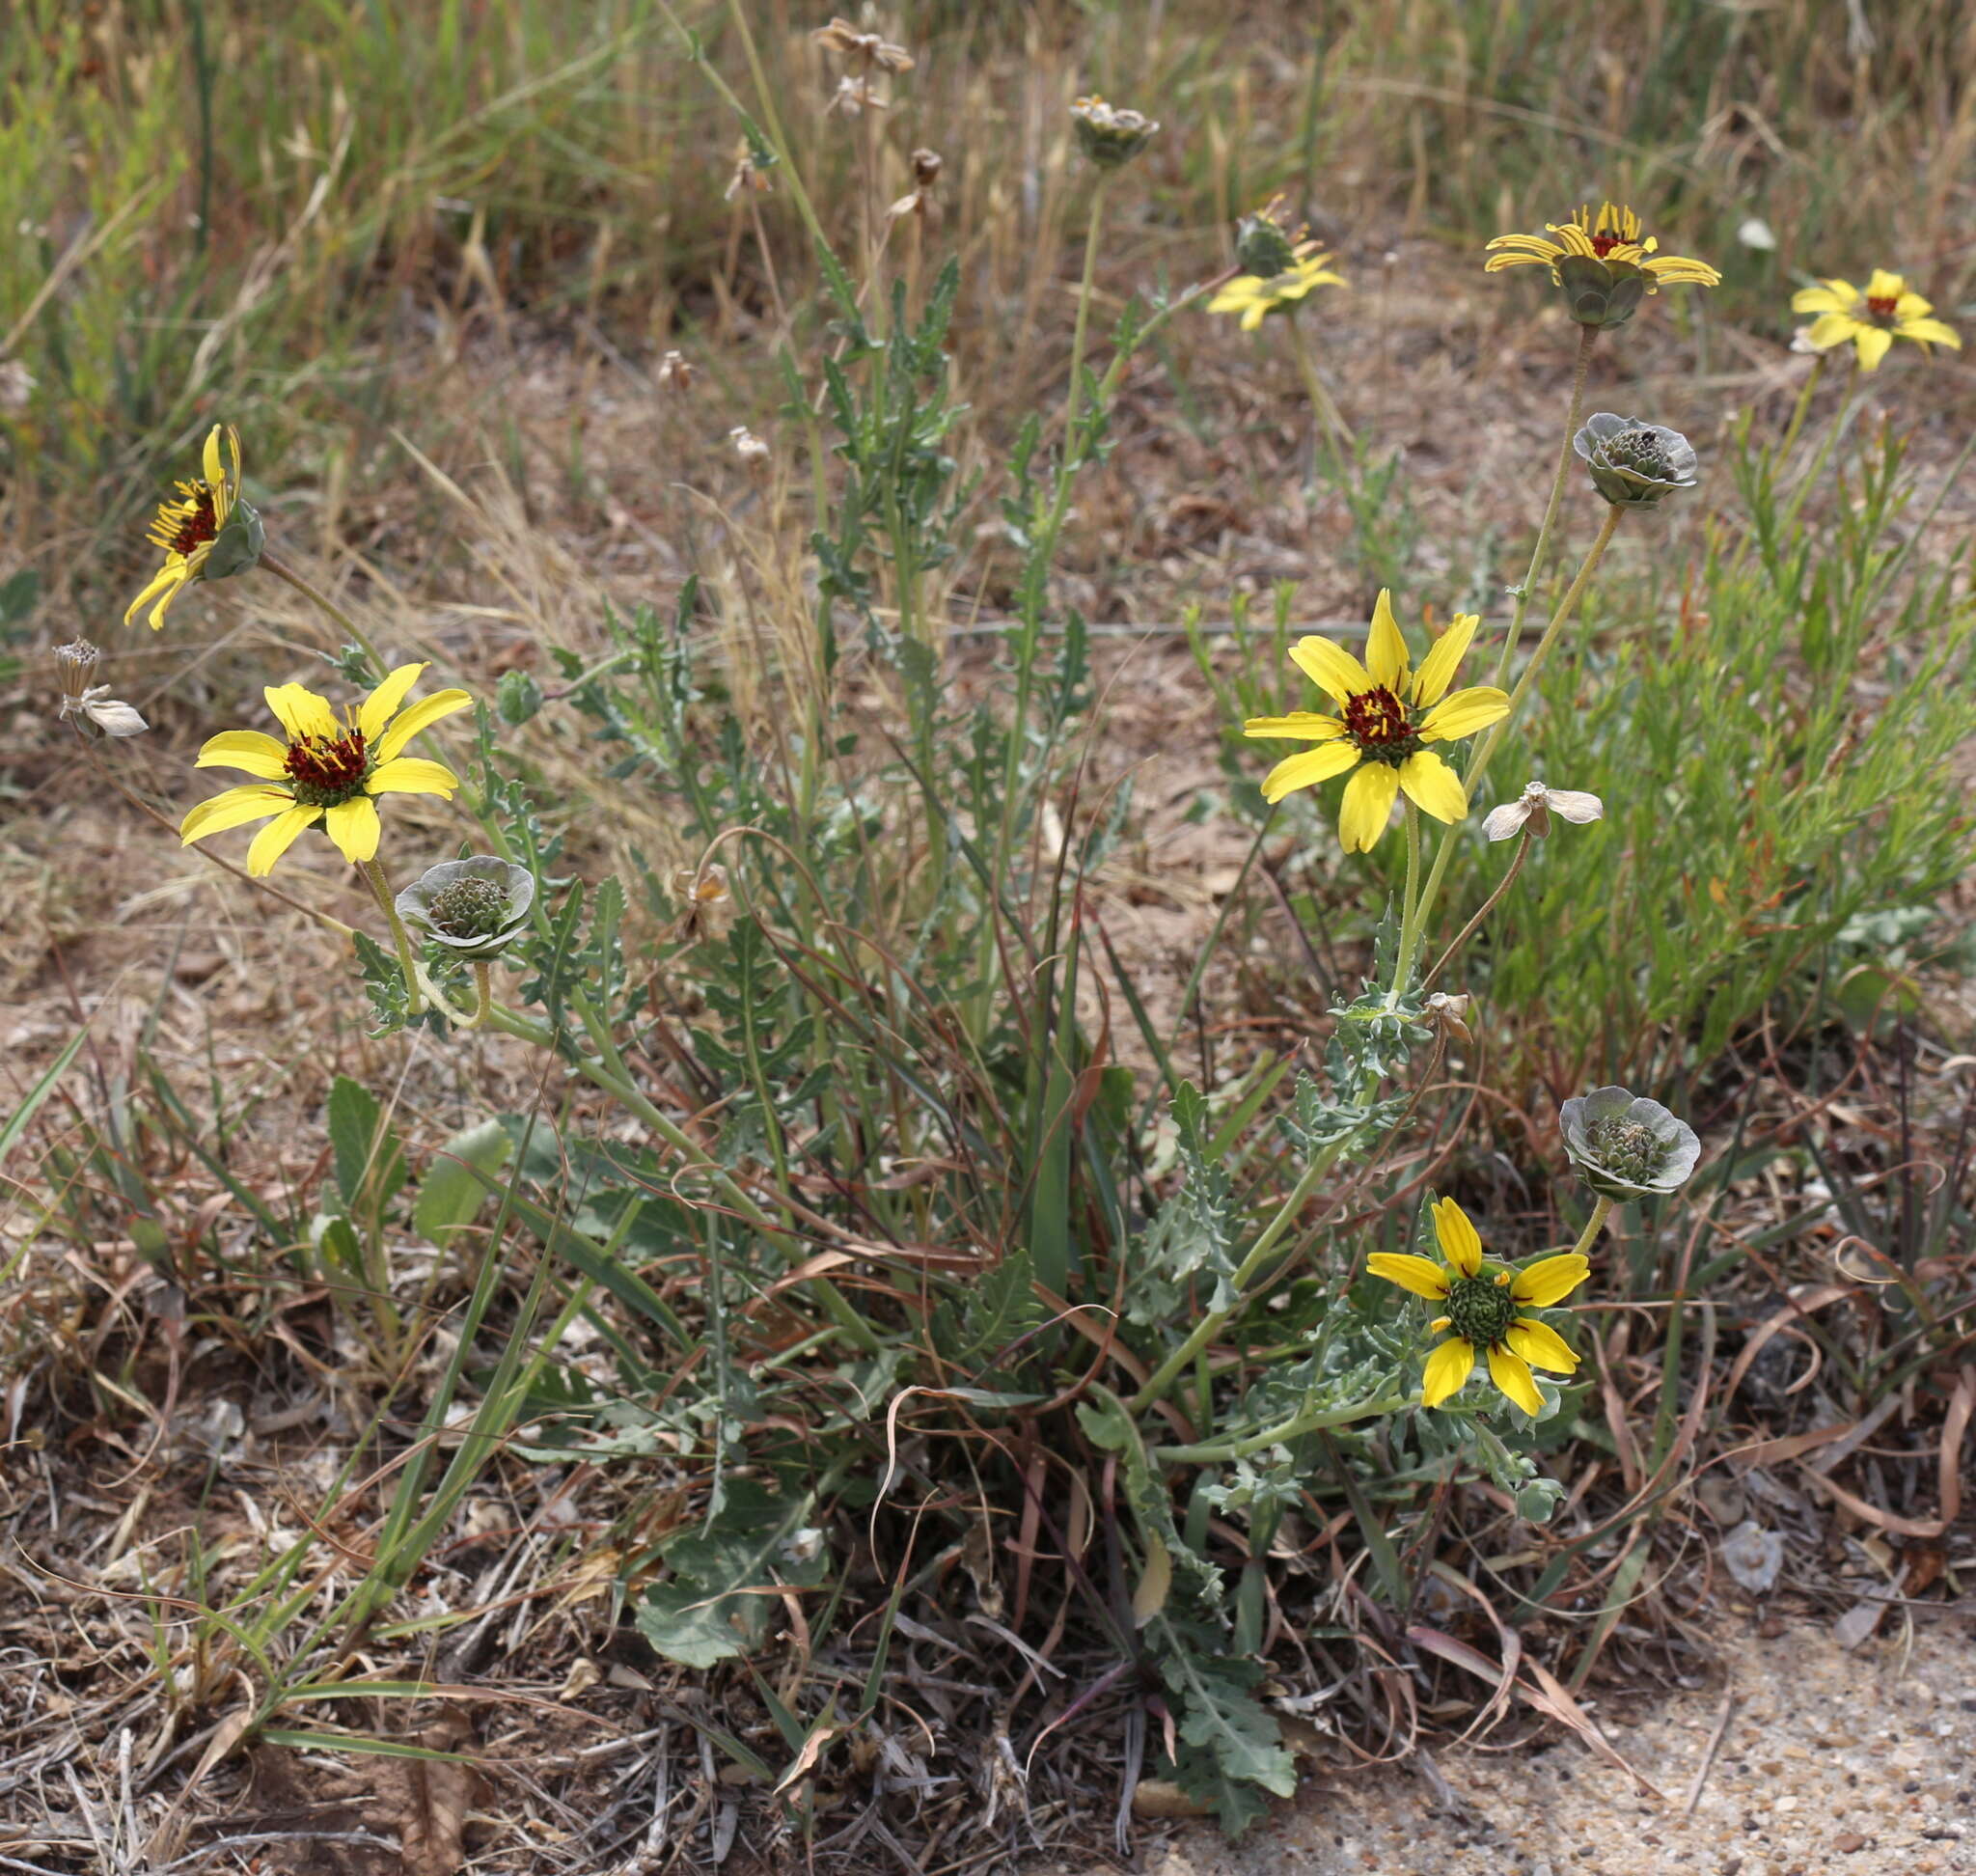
1861,1762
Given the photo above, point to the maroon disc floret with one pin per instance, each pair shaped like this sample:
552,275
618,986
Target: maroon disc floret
326,770
1376,720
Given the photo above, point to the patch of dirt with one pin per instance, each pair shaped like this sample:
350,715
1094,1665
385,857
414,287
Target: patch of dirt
1802,1758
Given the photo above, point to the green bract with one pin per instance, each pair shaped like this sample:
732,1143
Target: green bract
472,907
1601,292
237,546
1262,247
1634,463
1627,1147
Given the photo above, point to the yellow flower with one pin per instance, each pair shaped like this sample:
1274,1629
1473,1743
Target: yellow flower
1255,297
1482,1311
1387,718
188,524
1872,319
1604,263
326,770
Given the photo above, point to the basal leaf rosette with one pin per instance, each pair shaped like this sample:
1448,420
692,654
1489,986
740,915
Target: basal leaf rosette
1626,1146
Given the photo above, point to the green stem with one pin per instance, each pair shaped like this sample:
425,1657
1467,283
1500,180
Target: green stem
1410,908
1601,1212
1211,1325
483,992
615,1080
1485,749
1803,406
1217,1451
1579,366
321,600
1469,930
1325,415
380,888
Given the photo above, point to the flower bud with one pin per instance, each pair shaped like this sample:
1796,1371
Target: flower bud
1110,136
1634,463
1624,1145
474,908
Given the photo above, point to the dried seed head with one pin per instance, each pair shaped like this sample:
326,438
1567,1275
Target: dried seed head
863,50
927,166
676,371
1535,806
756,455
76,661
854,95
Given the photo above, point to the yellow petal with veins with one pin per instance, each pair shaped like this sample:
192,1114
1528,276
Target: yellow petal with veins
1512,1374
1447,1369
1461,1244
1422,1276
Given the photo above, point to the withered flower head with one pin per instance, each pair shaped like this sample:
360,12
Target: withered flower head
676,371
862,49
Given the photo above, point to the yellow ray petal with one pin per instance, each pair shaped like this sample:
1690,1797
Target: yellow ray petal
1541,1346
1512,1374
164,588
354,827
301,712
215,470
1886,285
1367,805
382,703
1447,1369
1420,1275
1911,306
1307,768
277,837
1930,332
1437,669
1461,1244
1331,667
1834,296
244,748
1236,296
1434,787
1550,1279
1872,343
1463,712
250,801
411,775
426,710
1516,250
1678,270
1385,650
1831,329
1301,725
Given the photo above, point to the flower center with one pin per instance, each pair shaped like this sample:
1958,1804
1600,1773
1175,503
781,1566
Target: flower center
1481,1310
1882,308
1376,720
1642,450
189,523
1604,244
325,771
1627,1147
471,907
